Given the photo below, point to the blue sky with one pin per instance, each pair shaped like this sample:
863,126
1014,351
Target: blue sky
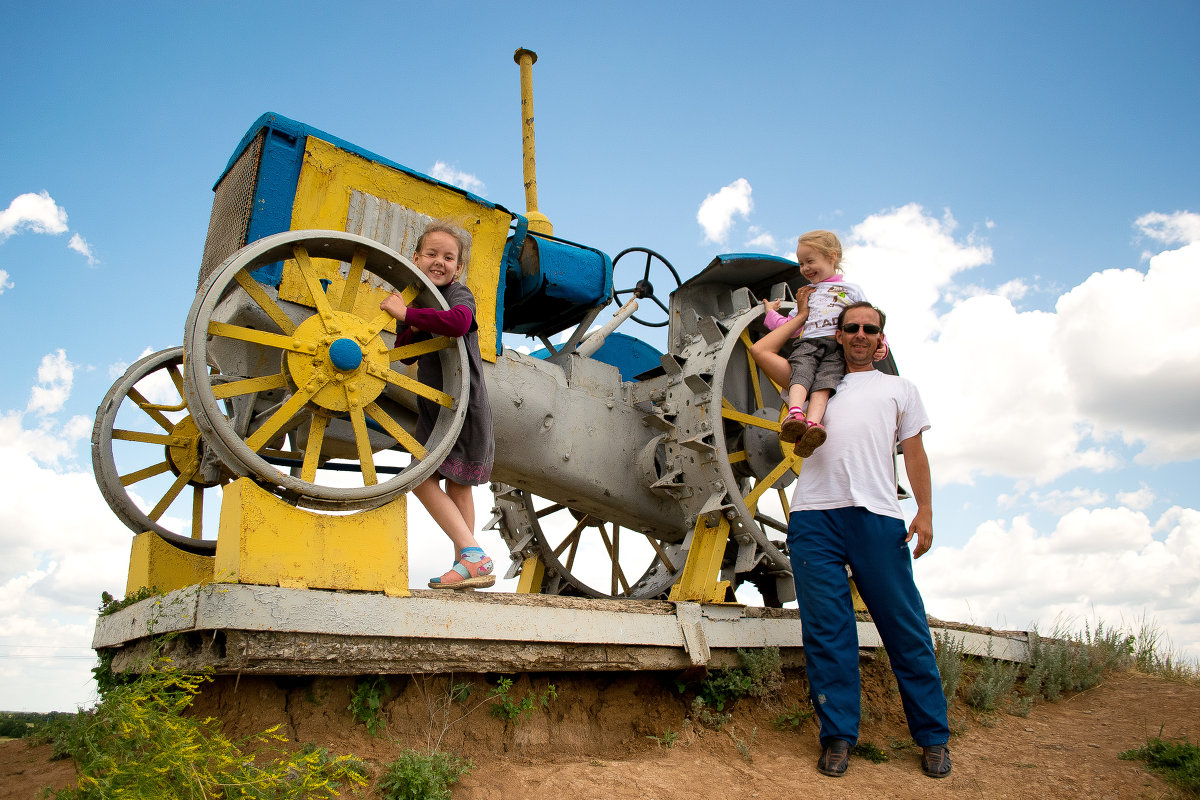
1016,184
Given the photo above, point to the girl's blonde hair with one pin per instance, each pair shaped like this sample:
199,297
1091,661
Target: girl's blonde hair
826,243
449,226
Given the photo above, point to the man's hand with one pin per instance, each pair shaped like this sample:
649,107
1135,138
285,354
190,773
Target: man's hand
922,527
802,295
916,464
394,304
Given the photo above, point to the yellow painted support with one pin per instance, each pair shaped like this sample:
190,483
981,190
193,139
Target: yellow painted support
264,541
859,605
533,572
154,564
698,583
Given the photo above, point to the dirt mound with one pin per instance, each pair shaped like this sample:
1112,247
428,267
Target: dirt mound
603,737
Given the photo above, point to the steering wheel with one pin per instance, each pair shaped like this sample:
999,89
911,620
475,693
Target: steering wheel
644,289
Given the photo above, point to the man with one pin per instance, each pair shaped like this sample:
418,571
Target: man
845,512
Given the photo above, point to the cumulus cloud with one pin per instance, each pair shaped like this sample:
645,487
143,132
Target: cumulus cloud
761,240
5,283
1034,394
1111,564
55,375
1181,227
37,213
718,210
62,547
79,245
463,180
1143,393
905,259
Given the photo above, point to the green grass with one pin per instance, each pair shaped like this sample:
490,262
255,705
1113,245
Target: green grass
1176,760
139,744
422,776
366,703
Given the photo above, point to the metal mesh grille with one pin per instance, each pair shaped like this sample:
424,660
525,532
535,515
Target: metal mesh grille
230,219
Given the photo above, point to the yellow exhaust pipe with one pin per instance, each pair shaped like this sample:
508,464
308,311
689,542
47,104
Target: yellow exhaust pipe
538,222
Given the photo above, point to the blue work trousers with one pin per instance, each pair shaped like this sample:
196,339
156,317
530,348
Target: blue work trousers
821,543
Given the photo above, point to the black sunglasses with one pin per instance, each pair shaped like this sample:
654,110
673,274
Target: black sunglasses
852,327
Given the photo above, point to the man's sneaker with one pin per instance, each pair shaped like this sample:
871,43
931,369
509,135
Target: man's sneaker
834,758
935,760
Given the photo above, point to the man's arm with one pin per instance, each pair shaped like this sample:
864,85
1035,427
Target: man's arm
916,464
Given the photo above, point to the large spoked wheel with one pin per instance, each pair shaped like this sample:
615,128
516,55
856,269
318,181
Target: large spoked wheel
143,423
319,413
585,555
755,467
644,288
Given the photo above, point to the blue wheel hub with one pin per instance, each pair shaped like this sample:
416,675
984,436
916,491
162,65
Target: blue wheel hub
345,355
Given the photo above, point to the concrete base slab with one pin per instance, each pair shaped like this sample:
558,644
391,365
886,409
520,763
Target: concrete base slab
232,628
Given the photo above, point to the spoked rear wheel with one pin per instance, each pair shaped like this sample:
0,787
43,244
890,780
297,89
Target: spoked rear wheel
166,475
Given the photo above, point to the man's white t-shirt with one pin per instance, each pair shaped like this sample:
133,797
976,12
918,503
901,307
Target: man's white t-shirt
868,414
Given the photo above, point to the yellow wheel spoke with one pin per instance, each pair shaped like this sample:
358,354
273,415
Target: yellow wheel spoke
549,510
153,411
381,321
416,387
320,301
783,502
661,553
765,483
265,338
403,437
171,494
282,416
258,295
312,452
738,457
142,474
731,413
353,279
224,391
362,440
177,379
613,547
753,368
420,348
410,293
145,438
197,512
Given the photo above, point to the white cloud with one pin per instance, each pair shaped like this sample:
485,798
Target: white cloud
1131,375
80,246
1138,500
5,283
1056,501
761,240
37,213
1034,394
1181,227
463,180
717,211
1106,563
55,375
62,547
904,259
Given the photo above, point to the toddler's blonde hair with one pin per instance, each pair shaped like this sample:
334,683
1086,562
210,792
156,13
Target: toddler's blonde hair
826,243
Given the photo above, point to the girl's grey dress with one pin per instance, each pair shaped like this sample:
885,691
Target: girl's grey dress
470,459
